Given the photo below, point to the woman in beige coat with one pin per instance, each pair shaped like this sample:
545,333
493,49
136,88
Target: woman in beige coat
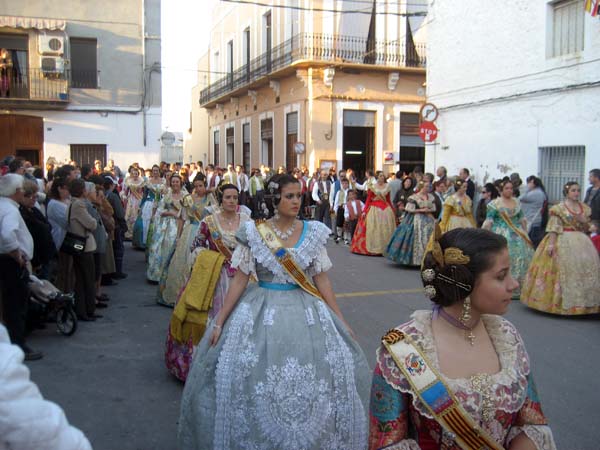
82,223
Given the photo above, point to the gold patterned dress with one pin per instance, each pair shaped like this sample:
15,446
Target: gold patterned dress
180,266
457,213
567,283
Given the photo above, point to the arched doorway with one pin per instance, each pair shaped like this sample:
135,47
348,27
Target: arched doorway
22,136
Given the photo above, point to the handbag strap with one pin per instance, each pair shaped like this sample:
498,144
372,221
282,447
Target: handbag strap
69,217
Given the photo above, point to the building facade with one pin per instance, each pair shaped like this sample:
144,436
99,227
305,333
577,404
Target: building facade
81,81
311,83
517,90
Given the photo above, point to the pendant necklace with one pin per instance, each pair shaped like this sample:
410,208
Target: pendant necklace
283,235
439,311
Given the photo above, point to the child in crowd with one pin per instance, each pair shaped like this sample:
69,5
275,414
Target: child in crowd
339,205
352,211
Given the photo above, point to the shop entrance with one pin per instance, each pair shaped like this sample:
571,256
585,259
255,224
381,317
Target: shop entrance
358,147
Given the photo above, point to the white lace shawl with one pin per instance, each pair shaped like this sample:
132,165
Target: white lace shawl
311,254
509,385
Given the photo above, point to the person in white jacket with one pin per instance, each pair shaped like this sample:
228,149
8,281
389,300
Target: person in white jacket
27,421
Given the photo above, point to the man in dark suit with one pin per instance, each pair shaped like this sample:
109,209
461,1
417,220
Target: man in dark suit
464,175
592,195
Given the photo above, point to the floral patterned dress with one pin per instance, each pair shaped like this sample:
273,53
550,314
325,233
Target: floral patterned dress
132,194
182,261
518,248
285,373
457,213
151,197
178,357
503,404
567,283
377,223
407,245
164,237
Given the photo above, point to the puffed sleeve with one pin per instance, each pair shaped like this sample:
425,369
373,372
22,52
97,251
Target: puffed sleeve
555,224
492,211
242,258
388,416
446,213
531,421
321,263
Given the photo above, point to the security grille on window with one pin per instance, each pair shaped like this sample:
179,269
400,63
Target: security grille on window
84,66
567,27
88,153
558,165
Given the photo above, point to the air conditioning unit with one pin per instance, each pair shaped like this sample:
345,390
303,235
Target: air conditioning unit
52,64
51,44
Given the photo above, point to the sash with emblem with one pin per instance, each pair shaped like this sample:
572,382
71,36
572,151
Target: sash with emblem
286,260
217,238
439,400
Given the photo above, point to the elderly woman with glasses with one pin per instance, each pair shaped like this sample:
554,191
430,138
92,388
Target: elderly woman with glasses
39,228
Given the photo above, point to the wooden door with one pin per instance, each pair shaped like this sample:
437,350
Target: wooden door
22,136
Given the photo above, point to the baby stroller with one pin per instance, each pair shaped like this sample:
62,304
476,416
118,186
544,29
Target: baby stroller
48,303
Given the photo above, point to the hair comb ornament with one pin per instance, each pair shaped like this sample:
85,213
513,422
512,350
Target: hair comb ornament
429,291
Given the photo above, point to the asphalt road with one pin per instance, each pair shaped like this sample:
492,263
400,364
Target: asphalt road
110,377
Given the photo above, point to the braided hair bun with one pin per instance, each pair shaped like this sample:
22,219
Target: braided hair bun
447,281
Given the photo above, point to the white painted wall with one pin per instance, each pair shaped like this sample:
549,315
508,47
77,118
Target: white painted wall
121,132
491,81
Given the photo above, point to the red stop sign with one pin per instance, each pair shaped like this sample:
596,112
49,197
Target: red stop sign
428,131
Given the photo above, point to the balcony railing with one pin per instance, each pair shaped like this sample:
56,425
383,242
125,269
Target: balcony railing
34,85
321,48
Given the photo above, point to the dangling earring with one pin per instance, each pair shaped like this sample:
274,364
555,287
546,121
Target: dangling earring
465,317
276,215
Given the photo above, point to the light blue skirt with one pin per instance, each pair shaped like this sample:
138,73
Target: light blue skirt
285,374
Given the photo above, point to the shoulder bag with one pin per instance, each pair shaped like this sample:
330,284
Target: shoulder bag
73,244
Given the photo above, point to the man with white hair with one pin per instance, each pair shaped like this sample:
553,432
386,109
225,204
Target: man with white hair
16,249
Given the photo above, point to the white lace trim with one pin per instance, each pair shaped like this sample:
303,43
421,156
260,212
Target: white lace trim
540,435
509,385
310,255
406,444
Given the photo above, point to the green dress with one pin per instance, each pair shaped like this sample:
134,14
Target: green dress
519,249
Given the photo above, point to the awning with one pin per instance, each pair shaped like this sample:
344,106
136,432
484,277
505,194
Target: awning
32,22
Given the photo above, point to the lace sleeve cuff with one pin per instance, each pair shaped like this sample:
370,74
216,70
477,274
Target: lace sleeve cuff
406,444
321,263
243,260
540,435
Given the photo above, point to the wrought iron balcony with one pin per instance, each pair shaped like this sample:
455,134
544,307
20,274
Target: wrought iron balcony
33,86
324,48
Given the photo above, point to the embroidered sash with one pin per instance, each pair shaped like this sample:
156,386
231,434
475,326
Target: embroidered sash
513,227
286,259
217,238
435,395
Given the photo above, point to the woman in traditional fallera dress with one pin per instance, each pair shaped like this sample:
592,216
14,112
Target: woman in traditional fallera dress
279,368
458,209
132,197
407,245
195,206
458,377
564,275
378,221
153,190
204,293
505,217
165,229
